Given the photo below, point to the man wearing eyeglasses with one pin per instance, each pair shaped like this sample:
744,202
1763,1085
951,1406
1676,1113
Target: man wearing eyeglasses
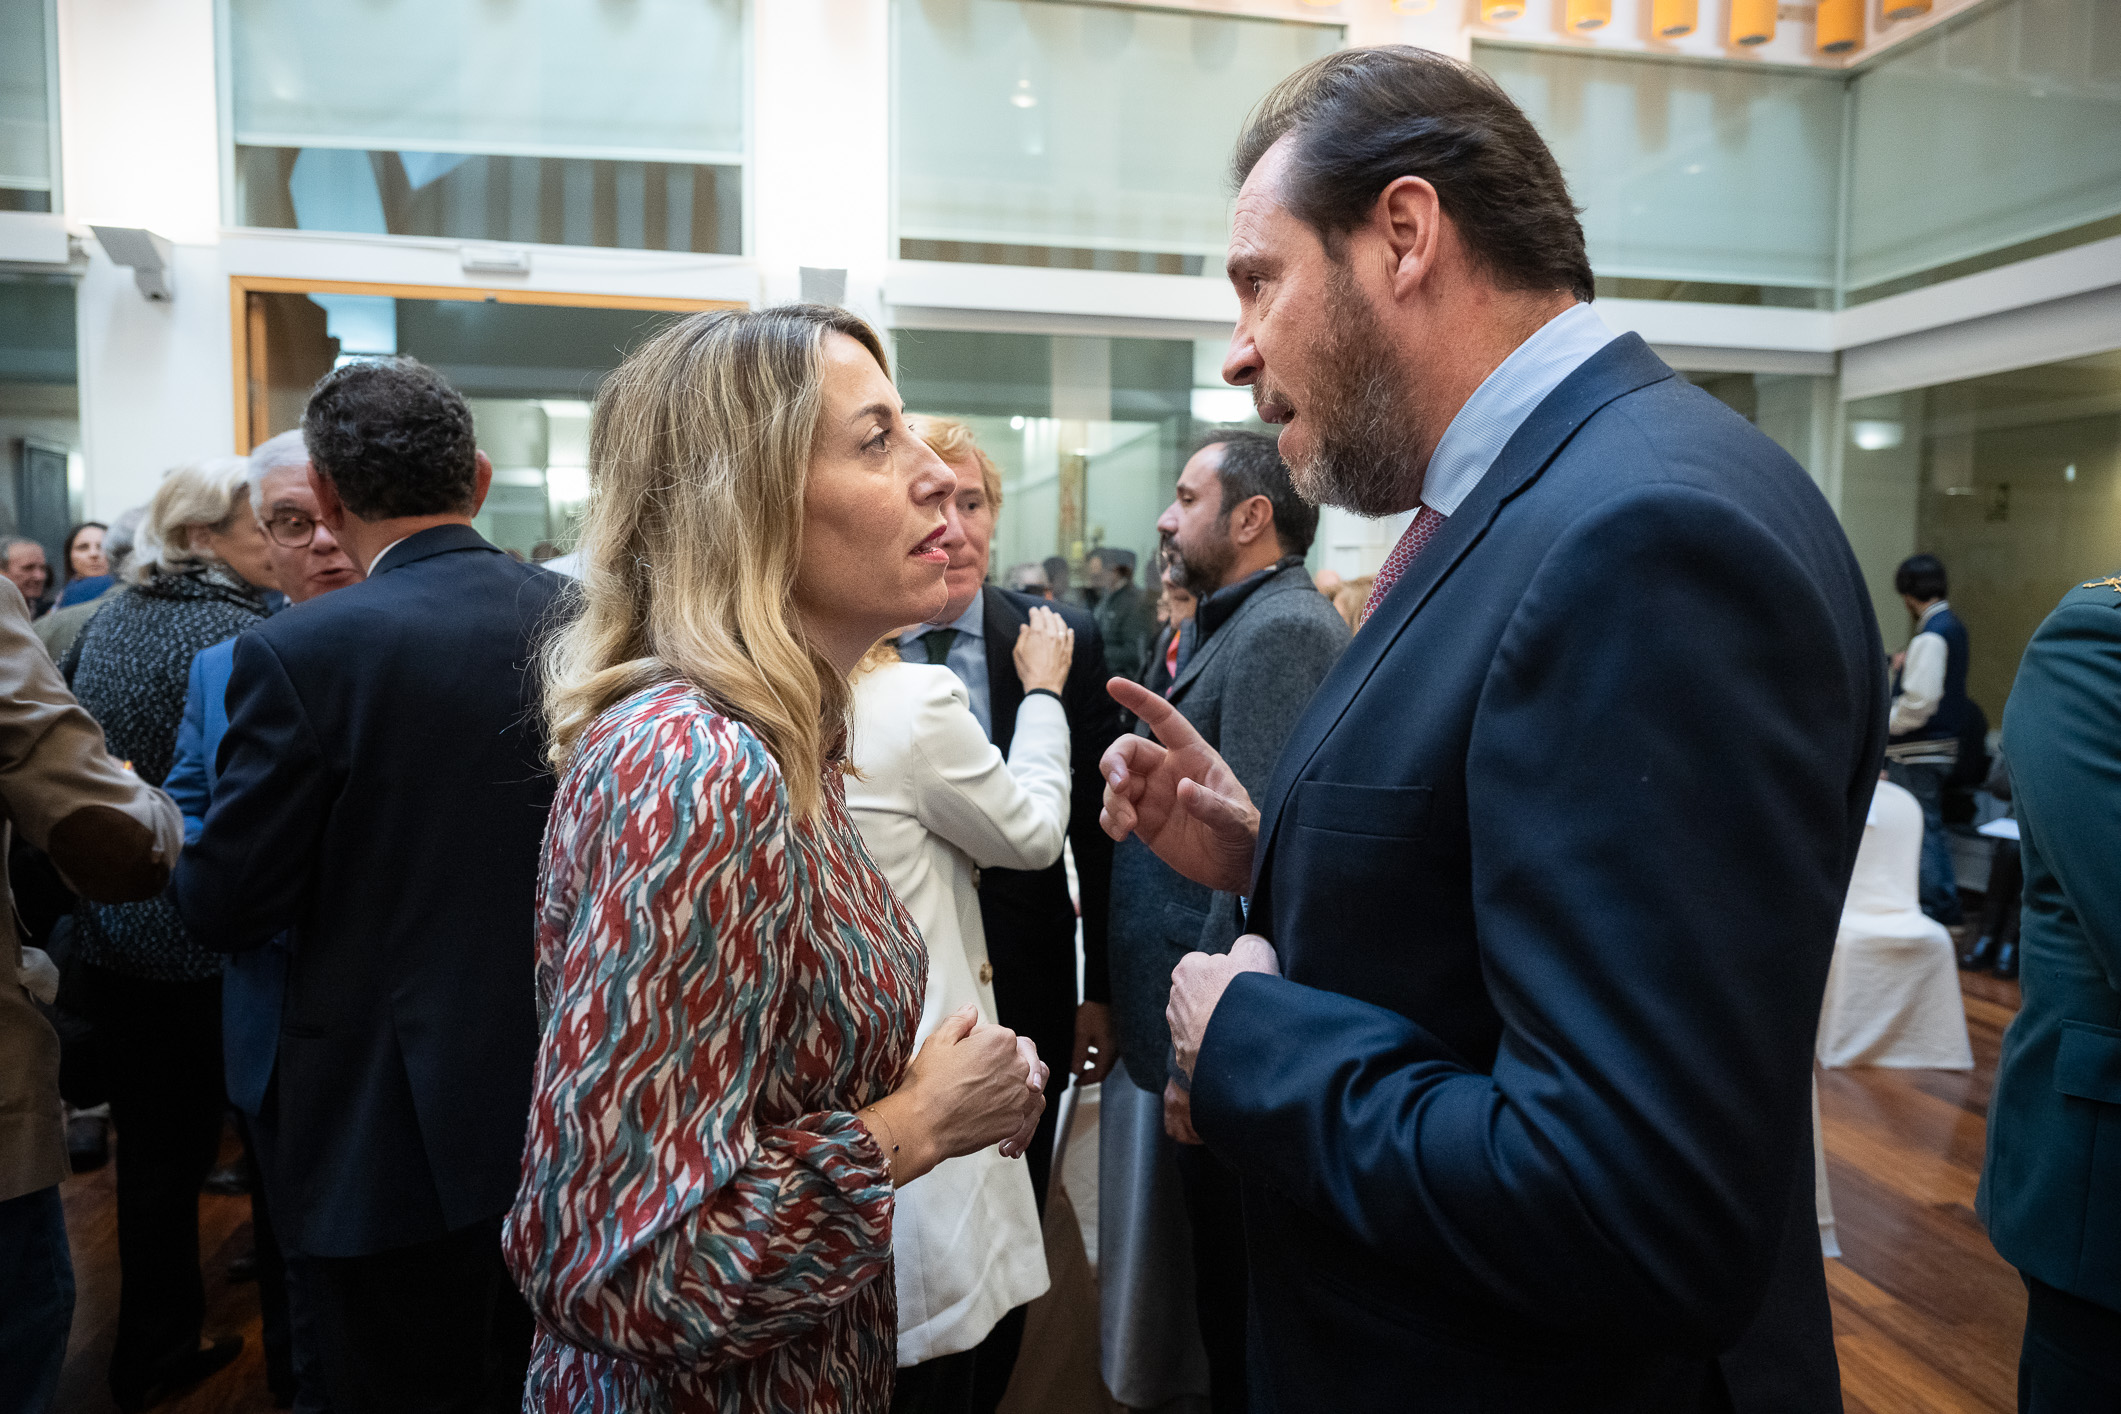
307,562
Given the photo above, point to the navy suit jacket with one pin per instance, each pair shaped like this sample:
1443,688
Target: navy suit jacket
383,794
1553,865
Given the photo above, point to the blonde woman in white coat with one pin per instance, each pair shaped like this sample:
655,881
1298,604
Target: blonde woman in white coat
935,803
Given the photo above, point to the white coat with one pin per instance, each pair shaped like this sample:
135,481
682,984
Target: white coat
935,803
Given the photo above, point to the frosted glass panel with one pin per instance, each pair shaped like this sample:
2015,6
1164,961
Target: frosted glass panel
1689,171
2002,129
651,80
1028,122
25,104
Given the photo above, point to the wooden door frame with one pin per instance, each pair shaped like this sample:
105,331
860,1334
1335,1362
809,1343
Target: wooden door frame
248,336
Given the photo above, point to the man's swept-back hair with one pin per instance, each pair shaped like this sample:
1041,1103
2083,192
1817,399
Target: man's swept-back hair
1251,465
394,439
1364,118
699,452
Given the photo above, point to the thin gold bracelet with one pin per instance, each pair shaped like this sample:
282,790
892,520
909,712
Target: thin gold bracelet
891,1154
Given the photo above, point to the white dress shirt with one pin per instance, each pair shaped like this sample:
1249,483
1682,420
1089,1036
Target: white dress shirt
935,802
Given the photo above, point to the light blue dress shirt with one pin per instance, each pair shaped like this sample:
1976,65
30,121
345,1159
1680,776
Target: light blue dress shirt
1500,405
968,656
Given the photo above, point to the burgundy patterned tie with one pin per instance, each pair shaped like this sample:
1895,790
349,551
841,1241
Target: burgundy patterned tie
1418,535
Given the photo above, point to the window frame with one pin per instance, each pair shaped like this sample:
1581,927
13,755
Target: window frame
746,157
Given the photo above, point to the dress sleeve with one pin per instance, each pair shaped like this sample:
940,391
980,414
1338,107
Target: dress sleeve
1003,814
658,1220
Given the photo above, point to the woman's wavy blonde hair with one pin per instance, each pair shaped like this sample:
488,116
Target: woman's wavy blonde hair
698,457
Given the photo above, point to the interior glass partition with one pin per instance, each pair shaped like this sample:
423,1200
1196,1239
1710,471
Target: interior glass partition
539,122
2013,480
1993,138
29,126
1998,131
1719,179
1036,132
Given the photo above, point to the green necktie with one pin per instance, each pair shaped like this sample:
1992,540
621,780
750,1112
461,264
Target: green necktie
939,644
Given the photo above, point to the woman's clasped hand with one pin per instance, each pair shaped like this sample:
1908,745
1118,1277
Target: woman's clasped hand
971,1085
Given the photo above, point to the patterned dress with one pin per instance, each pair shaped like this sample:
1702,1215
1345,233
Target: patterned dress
703,1224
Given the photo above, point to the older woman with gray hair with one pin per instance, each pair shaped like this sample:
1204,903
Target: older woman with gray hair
197,576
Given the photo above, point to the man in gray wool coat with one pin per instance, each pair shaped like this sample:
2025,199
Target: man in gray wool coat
1260,643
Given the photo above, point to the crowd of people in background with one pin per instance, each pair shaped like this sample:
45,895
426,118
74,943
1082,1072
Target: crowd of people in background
650,984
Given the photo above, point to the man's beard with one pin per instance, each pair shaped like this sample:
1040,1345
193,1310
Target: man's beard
1365,430
1201,568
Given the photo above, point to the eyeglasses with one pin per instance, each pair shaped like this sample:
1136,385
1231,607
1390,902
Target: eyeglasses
293,529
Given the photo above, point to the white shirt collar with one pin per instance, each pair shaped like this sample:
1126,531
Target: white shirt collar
380,554
1500,405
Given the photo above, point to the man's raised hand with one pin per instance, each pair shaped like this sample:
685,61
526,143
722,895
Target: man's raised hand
1177,795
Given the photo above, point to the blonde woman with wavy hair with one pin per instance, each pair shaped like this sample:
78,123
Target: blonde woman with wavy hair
727,988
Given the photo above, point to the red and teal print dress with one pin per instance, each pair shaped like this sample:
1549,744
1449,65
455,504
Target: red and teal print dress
703,1223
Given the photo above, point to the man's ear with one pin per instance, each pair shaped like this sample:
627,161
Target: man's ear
482,482
330,509
1409,216
1250,519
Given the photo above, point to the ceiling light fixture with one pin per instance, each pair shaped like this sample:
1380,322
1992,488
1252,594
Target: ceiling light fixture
1672,19
1752,22
1838,26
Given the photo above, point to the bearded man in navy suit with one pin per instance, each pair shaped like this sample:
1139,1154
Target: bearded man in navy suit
1515,1064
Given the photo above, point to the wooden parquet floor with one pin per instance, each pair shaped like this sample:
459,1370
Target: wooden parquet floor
1926,1315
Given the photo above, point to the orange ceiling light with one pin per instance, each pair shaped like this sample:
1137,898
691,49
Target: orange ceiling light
1752,22
1499,12
1906,9
1413,7
1839,27
1674,19
1583,16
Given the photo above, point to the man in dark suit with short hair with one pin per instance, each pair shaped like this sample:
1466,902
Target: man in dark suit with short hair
383,794
1515,1061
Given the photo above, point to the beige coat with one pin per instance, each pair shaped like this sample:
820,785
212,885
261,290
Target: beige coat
114,839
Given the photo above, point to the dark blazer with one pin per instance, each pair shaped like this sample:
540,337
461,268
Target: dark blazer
2051,1190
382,792
1029,917
1243,690
1553,865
